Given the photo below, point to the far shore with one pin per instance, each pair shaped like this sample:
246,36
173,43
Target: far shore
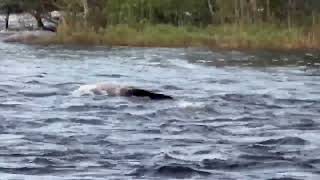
224,37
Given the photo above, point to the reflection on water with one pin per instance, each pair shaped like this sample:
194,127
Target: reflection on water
236,115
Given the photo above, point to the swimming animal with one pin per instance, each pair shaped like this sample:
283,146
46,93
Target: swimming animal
118,90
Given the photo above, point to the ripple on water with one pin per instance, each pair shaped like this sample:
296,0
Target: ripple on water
87,107
177,171
228,164
303,124
285,141
255,120
39,94
110,75
10,104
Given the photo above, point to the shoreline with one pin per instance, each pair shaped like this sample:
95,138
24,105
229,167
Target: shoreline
225,37
211,48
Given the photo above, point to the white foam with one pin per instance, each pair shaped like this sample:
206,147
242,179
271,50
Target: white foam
183,64
188,104
87,89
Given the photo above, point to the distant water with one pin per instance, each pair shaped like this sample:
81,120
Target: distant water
235,115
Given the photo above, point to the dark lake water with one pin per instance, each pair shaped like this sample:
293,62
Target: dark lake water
235,115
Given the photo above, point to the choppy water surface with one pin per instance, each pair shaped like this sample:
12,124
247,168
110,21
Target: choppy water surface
235,115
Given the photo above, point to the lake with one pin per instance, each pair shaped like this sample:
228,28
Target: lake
235,115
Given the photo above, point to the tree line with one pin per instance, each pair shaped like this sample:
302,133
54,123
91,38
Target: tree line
201,13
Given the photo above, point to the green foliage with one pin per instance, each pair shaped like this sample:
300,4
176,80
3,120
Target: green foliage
10,5
228,36
179,13
209,23
132,12
158,11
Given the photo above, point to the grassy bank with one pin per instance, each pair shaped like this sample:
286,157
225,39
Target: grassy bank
262,36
